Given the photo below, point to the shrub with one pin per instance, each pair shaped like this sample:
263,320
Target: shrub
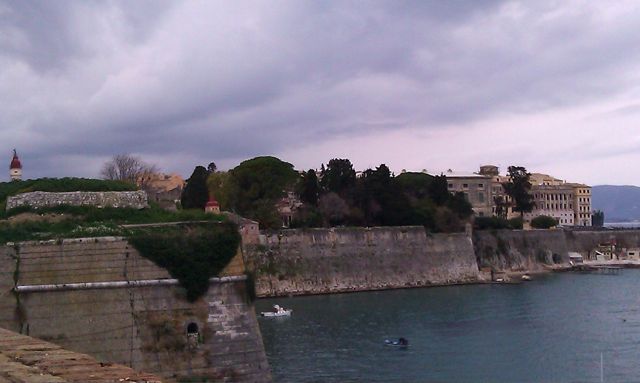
543,222
516,223
497,223
191,254
484,223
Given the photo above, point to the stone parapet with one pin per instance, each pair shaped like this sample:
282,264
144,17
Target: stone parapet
39,199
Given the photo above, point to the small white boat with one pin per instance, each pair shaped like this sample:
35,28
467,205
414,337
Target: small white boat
526,277
284,313
279,312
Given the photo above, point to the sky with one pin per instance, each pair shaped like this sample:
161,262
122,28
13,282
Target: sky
418,85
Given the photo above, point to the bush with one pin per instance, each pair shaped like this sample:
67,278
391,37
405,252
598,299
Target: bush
543,222
191,254
516,223
495,223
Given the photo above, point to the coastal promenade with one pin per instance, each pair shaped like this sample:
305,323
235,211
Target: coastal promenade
24,359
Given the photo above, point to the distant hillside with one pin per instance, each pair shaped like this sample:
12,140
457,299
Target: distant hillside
619,203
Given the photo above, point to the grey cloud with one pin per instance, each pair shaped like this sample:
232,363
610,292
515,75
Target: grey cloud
223,80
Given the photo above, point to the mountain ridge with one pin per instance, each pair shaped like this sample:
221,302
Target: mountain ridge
620,203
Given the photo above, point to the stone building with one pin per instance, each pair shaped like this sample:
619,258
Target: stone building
476,188
287,208
498,196
555,201
164,189
567,202
15,168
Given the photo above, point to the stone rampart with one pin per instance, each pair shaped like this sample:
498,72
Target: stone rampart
520,250
149,326
39,199
354,259
317,261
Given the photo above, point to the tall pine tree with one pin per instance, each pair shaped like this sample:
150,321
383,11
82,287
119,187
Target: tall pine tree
195,194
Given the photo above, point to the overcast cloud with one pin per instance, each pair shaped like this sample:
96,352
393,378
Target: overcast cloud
550,85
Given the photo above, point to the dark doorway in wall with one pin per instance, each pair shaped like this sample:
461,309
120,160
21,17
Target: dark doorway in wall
192,328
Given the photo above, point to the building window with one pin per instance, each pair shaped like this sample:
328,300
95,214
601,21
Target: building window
450,186
480,197
465,186
480,186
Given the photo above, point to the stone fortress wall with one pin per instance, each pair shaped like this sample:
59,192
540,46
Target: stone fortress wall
39,199
316,261
93,296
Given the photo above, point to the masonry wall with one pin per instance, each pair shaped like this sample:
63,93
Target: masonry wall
354,259
317,261
142,327
515,250
520,250
38,199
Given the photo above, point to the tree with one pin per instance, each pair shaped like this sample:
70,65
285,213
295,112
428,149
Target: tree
211,168
447,221
125,167
381,200
309,188
216,184
518,189
415,185
439,190
459,205
255,186
501,206
597,219
543,222
195,194
334,209
338,177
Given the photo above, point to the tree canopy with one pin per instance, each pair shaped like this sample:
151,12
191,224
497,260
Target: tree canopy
309,188
254,187
195,194
518,188
128,168
336,196
338,177
544,222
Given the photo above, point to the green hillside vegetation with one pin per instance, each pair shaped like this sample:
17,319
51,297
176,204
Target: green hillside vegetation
336,196
87,221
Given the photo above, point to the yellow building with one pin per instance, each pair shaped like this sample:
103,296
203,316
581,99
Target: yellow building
569,203
582,204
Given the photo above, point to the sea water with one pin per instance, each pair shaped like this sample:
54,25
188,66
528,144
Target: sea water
552,329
